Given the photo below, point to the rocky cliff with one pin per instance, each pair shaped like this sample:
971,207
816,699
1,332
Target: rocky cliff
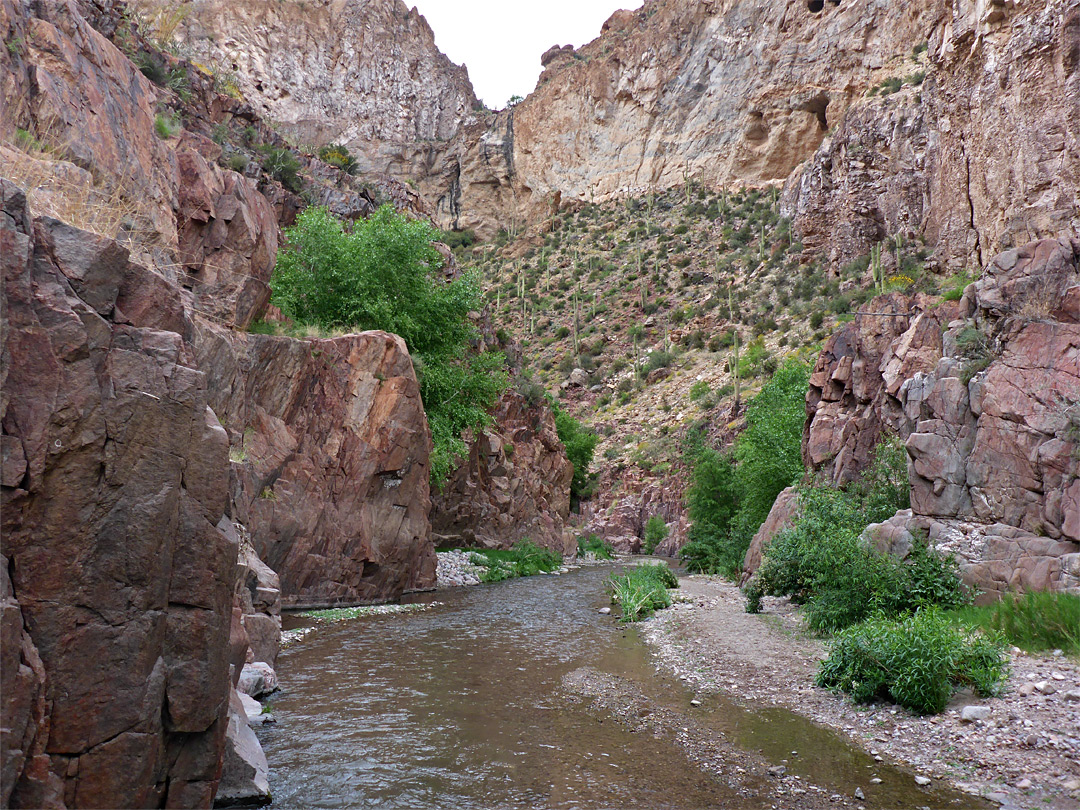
514,485
986,394
115,483
363,73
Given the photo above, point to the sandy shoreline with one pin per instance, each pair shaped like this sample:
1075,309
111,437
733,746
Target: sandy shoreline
1025,754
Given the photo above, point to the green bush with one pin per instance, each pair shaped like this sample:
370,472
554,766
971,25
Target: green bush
166,126
699,390
524,559
642,590
656,532
915,661
385,274
580,442
282,165
660,359
1036,621
595,545
730,494
822,561
338,156
458,239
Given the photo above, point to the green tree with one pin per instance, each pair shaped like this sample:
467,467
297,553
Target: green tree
580,442
385,274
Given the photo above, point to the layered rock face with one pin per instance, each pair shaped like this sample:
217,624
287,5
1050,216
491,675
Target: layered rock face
982,157
114,483
988,410
514,485
363,73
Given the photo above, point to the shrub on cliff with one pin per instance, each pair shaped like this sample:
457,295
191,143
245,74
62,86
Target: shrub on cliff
385,274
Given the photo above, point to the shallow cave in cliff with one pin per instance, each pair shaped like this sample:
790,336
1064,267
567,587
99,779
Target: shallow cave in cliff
815,6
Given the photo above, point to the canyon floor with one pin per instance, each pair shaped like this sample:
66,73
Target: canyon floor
1026,754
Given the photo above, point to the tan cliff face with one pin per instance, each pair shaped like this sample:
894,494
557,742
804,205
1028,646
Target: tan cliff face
363,73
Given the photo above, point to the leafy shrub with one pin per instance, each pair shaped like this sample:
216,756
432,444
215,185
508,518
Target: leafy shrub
595,545
385,274
656,360
338,156
1035,621
524,559
282,165
699,390
238,162
823,562
580,442
642,590
730,494
656,532
458,239
915,661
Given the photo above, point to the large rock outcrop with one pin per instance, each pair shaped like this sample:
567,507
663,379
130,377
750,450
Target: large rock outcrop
988,410
115,478
514,485
330,460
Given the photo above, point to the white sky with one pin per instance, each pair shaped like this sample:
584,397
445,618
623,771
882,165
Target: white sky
501,41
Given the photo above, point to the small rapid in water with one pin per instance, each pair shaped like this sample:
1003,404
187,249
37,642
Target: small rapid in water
460,706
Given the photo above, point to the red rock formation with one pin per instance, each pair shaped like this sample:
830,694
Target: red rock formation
331,460
515,484
990,422
114,482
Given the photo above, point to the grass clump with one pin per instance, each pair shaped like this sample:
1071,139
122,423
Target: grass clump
915,661
642,590
524,559
1036,621
595,545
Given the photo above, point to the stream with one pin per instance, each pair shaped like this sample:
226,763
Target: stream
460,706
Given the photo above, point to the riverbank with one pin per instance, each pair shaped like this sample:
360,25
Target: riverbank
1026,753
456,568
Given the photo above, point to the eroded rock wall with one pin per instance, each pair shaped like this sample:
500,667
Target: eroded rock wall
115,479
514,485
363,73
981,157
330,460
989,409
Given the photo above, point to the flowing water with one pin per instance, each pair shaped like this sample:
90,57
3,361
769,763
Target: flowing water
459,706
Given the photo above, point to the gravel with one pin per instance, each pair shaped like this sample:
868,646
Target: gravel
769,658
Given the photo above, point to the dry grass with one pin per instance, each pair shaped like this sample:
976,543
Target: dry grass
59,189
158,20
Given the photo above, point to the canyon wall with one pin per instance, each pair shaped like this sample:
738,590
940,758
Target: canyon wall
985,392
362,73
514,485
115,482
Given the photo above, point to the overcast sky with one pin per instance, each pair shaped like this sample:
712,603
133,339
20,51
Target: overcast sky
501,41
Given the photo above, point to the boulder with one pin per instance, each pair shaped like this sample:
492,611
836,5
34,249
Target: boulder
244,770
330,449
782,515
